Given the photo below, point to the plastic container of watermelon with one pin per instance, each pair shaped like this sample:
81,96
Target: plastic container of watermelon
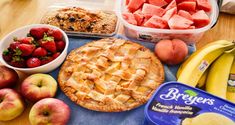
190,36
91,6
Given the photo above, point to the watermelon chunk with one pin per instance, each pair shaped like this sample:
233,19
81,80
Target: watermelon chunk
188,6
179,1
171,5
152,10
156,22
179,22
134,5
168,1
200,19
185,14
129,17
159,3
127,2
204,5
169,13
139,17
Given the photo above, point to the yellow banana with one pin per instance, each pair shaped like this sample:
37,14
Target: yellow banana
218,75
231,84
202,80
223,42
194,68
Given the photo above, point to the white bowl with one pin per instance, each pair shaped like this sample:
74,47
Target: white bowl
22,32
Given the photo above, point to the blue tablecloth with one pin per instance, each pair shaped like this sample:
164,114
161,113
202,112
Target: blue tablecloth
82,116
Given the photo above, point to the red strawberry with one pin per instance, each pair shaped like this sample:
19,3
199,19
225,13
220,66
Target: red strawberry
38,33
46,60
7,56
56,34
27,40
14,45
26,49
40,52
33,62
17,61
48,43
60,45
54,56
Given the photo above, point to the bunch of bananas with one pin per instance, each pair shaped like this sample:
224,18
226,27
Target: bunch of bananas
212,68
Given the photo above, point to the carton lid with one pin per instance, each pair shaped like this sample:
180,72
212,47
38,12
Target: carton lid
178,104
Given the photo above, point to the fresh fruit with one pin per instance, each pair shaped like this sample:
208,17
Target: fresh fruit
38,86
14,45
180,14
48,43
179,22
156,22
169,13
204,5
139,17
152,10
202,81
27,40
56,34
171,52
129,17
7,55
8,77
187,6
159,3
200,19
171,5
36,49
134,5
230,95
185,14
18,62
40,52
60,45
33,62
218,75
201,60
11,104
38,33
49,111
26,49
54,56
46,60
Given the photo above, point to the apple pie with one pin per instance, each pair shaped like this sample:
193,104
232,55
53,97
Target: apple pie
110,75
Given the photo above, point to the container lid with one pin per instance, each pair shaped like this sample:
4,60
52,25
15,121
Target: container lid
178,104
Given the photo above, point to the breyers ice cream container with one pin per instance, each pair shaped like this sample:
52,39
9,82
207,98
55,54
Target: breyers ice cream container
178,104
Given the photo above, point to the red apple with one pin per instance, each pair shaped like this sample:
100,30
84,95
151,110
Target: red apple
11,104
38,86
49,111
8,77
171,52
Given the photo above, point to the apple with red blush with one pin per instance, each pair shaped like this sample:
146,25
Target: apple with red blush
11,104
8,77
49,111
38,86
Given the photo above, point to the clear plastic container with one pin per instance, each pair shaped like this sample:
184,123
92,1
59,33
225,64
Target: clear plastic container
100,5
154,35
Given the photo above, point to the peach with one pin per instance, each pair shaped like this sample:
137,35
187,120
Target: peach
171,52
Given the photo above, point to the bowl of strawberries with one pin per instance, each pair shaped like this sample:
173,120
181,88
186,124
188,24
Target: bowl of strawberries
36,48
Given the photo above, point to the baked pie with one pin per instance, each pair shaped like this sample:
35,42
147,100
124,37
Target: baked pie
110,75
76,19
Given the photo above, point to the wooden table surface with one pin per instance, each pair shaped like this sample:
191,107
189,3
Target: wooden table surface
17,13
